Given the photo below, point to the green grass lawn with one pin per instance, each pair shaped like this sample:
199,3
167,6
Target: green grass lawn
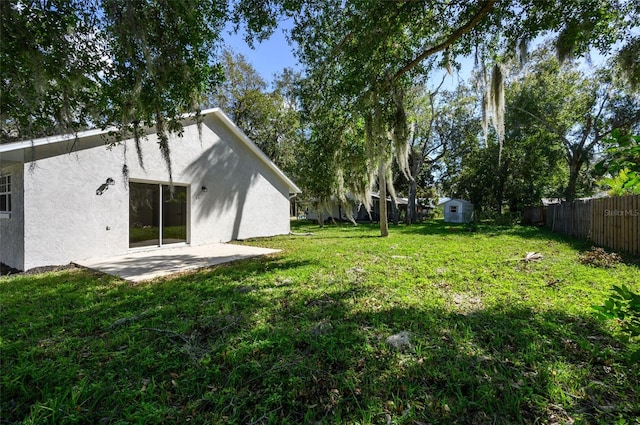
301,336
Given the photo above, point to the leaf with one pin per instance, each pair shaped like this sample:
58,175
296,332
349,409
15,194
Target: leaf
603,312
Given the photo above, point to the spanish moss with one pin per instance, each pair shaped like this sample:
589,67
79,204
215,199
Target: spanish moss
497,104
400,132
629,61
137,137
163,143
486,104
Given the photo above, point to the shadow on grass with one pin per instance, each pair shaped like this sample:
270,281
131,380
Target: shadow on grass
502,365
229,345
440,228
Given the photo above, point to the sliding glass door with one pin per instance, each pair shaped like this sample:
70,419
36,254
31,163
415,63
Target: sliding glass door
157,214
174,214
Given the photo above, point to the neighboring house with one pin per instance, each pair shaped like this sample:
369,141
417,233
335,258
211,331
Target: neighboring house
426,208
551,201
457,211
333,209
67,198
337,210
401,203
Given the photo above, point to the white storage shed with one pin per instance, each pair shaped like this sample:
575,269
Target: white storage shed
457,211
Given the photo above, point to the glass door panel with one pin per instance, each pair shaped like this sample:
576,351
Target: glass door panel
174,214
144,214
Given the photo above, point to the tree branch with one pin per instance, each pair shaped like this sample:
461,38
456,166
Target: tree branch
432,95
600,136
586,131
442,153
484,11
551,129
542,121
597,120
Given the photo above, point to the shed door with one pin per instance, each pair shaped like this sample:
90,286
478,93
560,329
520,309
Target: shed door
157,216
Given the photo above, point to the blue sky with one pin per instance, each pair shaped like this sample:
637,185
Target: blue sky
269,57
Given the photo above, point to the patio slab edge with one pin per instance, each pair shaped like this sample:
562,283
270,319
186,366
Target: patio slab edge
138,266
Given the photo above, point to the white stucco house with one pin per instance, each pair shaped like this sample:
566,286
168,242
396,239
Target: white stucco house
65,198
457,210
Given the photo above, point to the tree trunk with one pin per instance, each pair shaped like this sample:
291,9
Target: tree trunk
320,215
382,183
502,181
499,194
413,188
411,205
394,212
574,172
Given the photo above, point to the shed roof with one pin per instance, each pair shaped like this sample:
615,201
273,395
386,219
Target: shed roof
214,112
461,201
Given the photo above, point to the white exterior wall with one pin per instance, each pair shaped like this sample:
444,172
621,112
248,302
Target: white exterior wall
244,199
463,214
64,218
453,217
66,221
12,228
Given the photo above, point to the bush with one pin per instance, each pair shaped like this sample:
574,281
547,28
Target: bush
624,306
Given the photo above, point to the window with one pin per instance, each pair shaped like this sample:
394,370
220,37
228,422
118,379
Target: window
5,195
453,209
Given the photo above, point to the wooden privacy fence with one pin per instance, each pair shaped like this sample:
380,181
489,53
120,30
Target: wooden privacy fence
611,222
534,216
571,218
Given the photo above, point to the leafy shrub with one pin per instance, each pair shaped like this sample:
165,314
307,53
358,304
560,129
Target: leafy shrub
626,182
598,257
622,162
623,305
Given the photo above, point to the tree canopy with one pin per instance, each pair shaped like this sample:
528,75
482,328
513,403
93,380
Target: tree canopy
269,117
68,64
558,119
363,56
72,64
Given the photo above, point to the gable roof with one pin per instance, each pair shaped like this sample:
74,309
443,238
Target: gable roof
8,148
461,201
399,200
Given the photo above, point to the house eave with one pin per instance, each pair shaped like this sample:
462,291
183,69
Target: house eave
14,152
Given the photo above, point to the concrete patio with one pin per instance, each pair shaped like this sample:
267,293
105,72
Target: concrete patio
149,264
